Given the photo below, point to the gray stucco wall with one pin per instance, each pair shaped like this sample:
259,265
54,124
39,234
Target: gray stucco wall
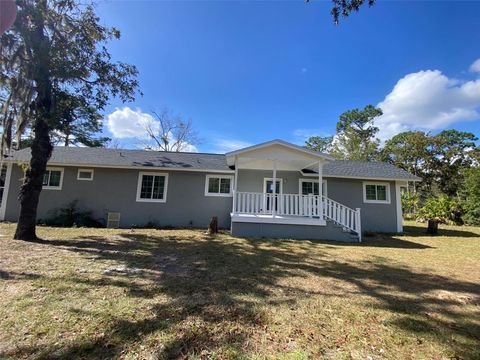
252,180
349,192
116,189
286,231
375,217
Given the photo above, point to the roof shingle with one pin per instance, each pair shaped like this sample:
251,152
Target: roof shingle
131,158
366,170
201,161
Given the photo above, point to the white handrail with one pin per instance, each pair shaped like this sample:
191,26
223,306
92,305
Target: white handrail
297,205
342,215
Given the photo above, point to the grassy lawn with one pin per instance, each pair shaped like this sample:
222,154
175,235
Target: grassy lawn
153,294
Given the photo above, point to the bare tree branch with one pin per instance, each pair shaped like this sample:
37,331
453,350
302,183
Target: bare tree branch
170,132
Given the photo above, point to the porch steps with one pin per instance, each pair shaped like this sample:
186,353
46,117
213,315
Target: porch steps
353,234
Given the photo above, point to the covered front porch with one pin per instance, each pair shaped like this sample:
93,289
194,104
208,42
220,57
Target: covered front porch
263,172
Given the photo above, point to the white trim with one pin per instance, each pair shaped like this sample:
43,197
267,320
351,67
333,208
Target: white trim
282,143
278,219
301,180
398,200
139,187
59,187
386,184
6,190
271,179
210,176
91,171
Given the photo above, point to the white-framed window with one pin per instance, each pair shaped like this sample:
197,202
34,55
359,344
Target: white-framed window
310,186
219,185
53,179
268,185
376,192
85,174
152,187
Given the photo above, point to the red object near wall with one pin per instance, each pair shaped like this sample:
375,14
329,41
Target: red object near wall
8,12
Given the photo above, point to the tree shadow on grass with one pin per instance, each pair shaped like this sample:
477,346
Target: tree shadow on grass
421,230
381,241
11,275
212,288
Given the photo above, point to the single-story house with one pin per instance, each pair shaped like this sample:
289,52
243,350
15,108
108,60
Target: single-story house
273,189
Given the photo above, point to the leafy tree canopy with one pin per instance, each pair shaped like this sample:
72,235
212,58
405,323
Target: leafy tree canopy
76,122
355,138
470,194
55,54
454,151
320,144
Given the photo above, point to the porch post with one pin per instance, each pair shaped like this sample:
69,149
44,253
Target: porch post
320,193
235,181
274,188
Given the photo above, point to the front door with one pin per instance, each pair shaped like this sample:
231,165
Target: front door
268,188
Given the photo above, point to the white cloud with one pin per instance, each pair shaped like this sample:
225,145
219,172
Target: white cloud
227,145
128,123
190,148
475,67
428,100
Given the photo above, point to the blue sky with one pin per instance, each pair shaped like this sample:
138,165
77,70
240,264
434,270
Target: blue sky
251,71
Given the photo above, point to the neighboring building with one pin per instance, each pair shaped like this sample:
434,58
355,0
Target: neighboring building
267,190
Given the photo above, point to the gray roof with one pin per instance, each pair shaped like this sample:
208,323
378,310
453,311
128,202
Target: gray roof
128,158
367,170
82,156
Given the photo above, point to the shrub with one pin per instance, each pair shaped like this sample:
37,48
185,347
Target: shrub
70,216
410,203
439,209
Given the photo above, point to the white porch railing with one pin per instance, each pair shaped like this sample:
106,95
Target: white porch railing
342,215
297,205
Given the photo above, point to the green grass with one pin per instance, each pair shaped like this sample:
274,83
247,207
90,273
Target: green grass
187,295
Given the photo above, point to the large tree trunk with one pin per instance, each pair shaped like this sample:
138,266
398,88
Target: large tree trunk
30,191
41,146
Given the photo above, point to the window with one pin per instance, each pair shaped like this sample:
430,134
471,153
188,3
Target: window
53,178
152,187
308,186
268,185
85,174
218,185
376,193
